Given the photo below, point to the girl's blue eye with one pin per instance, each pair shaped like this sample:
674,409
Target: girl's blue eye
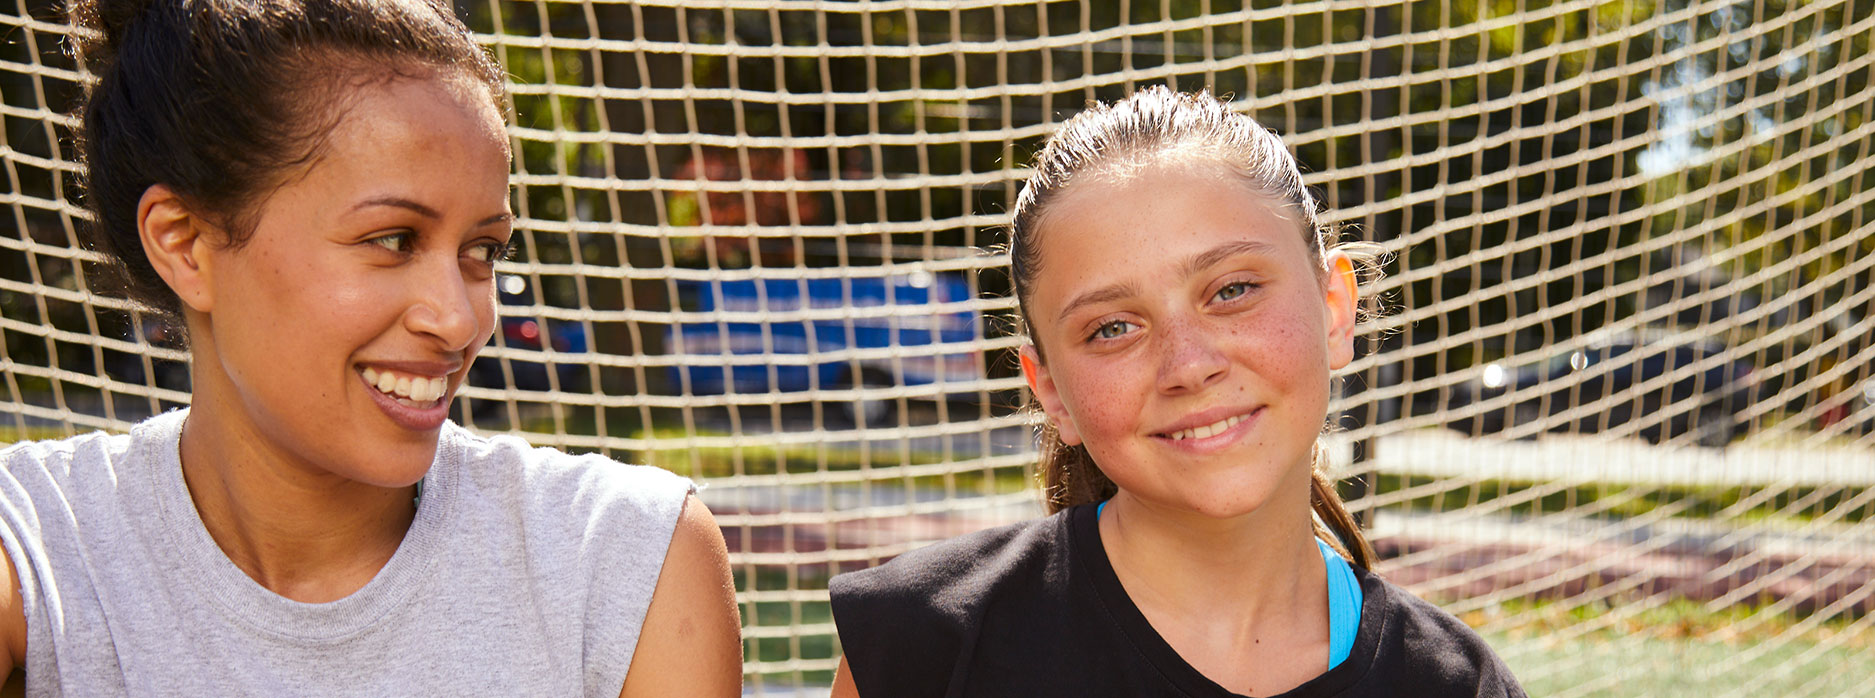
1113,330
395,242
1233,290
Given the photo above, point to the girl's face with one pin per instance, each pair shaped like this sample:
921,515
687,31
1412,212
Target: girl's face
339,331
1189,336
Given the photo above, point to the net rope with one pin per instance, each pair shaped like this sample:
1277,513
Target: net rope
1618,414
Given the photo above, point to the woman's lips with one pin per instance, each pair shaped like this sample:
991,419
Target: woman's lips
399,404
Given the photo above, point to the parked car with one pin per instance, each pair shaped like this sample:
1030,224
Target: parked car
793,353
519,331
1622,377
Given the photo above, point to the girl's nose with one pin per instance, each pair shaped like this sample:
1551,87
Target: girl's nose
1192,357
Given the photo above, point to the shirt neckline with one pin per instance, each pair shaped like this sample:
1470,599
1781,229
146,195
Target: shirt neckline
1344,598
1084,538
201,568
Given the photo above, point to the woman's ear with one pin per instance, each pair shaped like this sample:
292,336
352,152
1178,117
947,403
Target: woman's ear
1341,296
176,242
1043,386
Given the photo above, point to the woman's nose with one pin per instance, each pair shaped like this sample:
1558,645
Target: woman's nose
1192,358
444,307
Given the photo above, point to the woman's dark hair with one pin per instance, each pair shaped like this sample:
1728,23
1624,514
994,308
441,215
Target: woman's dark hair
1132,133
223,100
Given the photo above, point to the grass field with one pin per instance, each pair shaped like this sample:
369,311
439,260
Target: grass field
1679,649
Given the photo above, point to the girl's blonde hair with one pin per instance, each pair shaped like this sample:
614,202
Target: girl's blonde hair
1110,140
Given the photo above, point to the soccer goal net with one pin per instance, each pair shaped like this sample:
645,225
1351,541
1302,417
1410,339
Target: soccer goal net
1618,413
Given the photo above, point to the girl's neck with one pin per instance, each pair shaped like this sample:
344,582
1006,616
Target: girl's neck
1243,600
1250,563
305,534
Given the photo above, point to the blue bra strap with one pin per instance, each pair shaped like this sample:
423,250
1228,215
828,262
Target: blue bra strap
1344,605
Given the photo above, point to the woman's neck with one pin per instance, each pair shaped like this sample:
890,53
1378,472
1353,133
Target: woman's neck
1243,600
305,534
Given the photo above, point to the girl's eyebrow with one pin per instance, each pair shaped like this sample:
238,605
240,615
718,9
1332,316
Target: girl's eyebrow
1195,264
1099,295
1204,260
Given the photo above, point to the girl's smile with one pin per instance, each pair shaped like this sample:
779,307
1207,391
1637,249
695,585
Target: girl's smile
1206,435
1185,332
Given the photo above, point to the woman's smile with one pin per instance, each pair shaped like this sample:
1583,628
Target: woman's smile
415,395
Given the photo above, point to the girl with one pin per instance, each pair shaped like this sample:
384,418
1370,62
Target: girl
1186,309
318,189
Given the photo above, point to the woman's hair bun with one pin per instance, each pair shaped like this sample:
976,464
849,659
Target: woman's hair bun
108,21
219,99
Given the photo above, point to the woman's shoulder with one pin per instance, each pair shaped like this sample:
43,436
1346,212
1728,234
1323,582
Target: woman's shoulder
508,472
65,474
1426,646
61,458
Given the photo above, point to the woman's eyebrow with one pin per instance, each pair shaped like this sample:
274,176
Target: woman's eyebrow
1204,260
399,202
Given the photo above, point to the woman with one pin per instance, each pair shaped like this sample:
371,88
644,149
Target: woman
1186,307
318,190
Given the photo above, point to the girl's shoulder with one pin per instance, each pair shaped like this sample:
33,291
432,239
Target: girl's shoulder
953,576
906,625
1412,642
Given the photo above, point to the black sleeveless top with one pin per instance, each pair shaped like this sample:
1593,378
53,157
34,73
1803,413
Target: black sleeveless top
1034,609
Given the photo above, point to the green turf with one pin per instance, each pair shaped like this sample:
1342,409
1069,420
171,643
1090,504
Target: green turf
1608,664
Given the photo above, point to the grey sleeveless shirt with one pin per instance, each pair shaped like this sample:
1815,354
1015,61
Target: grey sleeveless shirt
527,572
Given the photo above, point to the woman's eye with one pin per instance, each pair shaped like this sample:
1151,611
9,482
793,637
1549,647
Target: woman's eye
1113,330
1233,290
395,242
488,253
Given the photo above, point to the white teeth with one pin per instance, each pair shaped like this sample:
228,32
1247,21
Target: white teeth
1208,430
409,391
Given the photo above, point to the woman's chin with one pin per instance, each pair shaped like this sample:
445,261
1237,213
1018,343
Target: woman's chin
396,467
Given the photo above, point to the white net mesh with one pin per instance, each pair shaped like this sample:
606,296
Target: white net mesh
1620,415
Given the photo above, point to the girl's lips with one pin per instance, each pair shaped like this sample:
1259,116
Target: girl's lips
413,418
1211,437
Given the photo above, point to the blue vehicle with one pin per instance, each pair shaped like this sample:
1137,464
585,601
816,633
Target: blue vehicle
530,333
799,335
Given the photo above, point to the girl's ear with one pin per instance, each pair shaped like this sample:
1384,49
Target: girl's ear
176,242
1043,386
1340,296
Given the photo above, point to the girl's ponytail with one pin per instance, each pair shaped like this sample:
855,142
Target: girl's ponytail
1068,473
1333,523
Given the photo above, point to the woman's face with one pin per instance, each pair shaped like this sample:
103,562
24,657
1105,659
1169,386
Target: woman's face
1189,335
339,331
